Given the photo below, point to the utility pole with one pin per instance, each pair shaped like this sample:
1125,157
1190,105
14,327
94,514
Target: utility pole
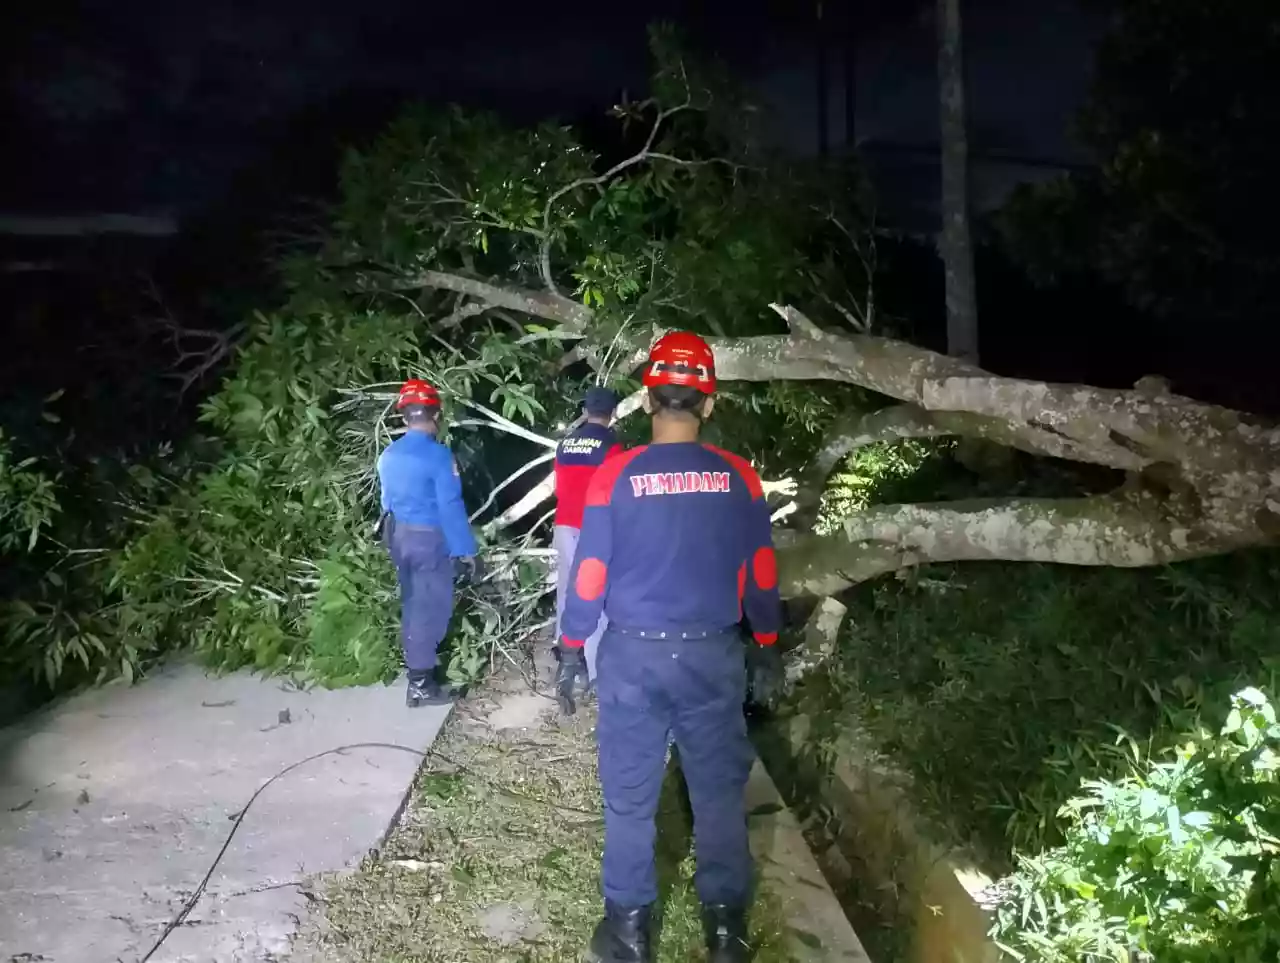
850,75
823,112
956,243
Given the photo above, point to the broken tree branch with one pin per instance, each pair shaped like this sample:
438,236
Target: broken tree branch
1124,530
518,473
197,350
534,497
550,307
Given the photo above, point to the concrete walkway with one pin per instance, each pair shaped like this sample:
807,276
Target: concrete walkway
114,803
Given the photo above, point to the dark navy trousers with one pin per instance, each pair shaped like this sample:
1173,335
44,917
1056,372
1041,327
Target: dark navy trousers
695,689
425,572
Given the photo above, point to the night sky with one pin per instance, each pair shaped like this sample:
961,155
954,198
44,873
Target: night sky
149,108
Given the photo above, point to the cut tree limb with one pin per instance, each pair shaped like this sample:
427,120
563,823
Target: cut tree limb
1128,530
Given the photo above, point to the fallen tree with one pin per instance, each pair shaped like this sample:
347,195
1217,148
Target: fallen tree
1202,479
513,267
1199,479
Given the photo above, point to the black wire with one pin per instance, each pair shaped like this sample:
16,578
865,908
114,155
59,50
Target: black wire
191,902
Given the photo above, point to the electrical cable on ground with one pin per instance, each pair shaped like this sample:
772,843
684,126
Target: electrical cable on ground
194,898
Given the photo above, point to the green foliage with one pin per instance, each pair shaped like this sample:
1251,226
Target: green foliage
351,626
1178,861
868,472
253,547
28,499
1000,686
265,559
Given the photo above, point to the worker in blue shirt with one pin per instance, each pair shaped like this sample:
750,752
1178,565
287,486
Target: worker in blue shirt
427,532
675,548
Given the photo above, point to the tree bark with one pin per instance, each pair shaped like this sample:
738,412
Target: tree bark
818,643
957,251
1123,530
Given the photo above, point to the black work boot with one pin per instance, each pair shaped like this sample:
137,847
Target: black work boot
424,690
622,936
725,928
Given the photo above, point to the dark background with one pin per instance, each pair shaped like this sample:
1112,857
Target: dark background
158,147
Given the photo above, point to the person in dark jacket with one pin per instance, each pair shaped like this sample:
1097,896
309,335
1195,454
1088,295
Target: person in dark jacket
675,548
426,529
578,456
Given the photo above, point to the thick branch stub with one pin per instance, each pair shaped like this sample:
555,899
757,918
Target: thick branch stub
797,322
818,644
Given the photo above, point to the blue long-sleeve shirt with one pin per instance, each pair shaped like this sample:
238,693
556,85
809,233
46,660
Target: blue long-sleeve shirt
420,486
674,538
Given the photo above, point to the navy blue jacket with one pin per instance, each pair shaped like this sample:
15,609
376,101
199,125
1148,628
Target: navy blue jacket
420,486
674,538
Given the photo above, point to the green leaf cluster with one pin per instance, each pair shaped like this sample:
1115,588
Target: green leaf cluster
1177,861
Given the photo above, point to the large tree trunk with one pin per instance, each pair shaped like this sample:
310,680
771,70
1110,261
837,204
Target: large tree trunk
1202,480
957,251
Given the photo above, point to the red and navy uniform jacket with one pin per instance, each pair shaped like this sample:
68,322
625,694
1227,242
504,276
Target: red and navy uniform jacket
578,456
674,538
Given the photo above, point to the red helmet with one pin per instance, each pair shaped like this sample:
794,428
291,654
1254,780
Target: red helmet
417,392
681,358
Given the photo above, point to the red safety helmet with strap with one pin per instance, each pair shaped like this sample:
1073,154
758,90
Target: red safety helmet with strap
417,392
681,358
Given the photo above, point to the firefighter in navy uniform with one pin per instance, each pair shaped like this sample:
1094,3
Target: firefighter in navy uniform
426,529
675,547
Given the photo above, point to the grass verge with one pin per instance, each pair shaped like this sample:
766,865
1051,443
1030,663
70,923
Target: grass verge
497,858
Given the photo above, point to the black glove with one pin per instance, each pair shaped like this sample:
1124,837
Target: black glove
383,529
573,666
765,674
469,570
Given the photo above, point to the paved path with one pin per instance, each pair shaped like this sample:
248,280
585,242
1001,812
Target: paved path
114,803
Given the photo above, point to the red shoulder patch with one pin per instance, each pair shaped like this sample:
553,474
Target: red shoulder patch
605,479
743,468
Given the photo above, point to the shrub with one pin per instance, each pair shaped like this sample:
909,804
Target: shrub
1177,863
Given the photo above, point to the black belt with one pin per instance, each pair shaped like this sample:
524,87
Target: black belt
672,634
